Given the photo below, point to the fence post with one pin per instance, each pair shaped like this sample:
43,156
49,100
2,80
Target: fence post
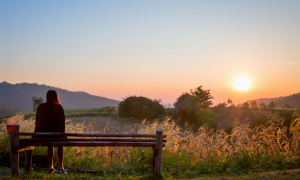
14,134
158,154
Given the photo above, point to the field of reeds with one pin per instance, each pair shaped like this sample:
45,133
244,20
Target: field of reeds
268,147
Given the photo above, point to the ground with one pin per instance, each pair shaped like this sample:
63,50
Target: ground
273,175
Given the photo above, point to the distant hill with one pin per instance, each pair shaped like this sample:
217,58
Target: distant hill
20,95
292,100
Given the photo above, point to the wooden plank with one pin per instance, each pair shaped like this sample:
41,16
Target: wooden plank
55,134
67,140
90,144
14,133
26,148
158,154
28,161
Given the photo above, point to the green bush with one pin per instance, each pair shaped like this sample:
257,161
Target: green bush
188,108
28,116
140,107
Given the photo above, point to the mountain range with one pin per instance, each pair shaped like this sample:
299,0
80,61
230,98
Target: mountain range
20,95
292,100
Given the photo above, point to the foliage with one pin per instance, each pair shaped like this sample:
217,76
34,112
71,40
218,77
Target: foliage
219,107
287,105
110,109
245,105
186,105
230,102
27,116
253,105
188,154
287,115
140,107
36,102
263,106
188,108
271,105
204,96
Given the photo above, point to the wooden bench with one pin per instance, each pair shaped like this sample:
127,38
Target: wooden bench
156,141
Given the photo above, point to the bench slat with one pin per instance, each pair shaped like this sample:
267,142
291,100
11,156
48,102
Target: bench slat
26,148
54,134
67,140
91,144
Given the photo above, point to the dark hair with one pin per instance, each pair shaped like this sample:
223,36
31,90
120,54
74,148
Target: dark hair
52,97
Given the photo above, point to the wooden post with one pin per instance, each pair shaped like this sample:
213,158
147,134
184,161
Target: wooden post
158,154
14,134
28,161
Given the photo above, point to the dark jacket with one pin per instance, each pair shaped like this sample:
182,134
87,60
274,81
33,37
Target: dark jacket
50,118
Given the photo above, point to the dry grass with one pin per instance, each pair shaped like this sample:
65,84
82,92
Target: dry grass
188,154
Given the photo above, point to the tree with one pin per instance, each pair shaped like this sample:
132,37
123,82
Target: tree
253,105
188,108
204,96
263,106
271,105
140,107
287,106
230,102
36,102
245,105
186,105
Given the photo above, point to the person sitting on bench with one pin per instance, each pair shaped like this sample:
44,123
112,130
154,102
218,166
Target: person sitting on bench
50,117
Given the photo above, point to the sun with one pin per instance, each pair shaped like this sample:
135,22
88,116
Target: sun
242,84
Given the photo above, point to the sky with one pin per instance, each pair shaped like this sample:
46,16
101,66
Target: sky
156,49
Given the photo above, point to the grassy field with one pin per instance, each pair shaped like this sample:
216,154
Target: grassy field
104,111
263,152
40,174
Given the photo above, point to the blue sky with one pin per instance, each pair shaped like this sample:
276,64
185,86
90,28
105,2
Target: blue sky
152,48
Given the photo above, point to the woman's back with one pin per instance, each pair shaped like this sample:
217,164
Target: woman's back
50,118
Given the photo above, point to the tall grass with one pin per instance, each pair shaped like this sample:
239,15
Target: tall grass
187,154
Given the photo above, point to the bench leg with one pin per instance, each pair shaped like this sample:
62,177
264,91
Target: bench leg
14,133
158,154
28,161
153,158
14,163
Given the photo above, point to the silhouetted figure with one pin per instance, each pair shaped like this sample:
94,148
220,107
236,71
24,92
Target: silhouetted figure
50,117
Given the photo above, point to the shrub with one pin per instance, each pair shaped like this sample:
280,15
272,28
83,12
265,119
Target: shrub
140,107
186,106
27,116
189,109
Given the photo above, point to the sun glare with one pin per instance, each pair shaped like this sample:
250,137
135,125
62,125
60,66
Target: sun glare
242,84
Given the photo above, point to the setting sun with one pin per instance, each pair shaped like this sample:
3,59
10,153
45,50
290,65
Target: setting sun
242,84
